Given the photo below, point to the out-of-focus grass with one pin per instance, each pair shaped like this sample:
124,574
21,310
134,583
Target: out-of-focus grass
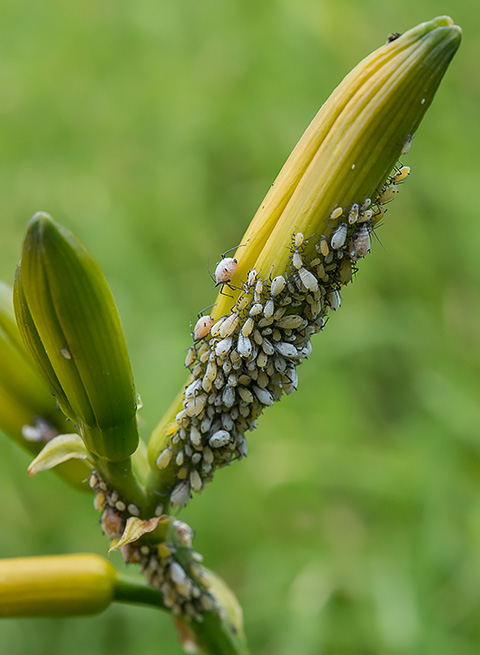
153,130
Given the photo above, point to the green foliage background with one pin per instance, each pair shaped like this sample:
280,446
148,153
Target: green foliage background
153,130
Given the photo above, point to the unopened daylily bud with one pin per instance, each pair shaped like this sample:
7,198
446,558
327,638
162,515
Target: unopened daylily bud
300,249
63,585
70,324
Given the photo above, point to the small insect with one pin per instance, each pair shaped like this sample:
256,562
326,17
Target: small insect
202,327
393,36
387,194
401,174
225,270
278,285
336,213
406,145
299,239
339,236
353,214
360,242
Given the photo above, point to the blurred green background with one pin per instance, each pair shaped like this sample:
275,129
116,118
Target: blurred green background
153,129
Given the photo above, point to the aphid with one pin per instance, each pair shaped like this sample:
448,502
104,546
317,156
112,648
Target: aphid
225,270
180,495
195,405
297,260
264,396
401,174
202,327
66,353
192,388
366,204
339,236
278,285
336,213
191,356
290,322
223,347
299,239
366,216
228,326
196,482
334,299
256,309
309,280
406,145
360,242
219,439
353,214
387,194
252,276
244,346
286,349
324,249
247,327
241,303
269,308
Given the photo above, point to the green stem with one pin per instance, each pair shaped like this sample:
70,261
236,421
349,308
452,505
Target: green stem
136,590
215,635
119,476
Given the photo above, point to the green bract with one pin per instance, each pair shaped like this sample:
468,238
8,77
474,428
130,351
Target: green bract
70,324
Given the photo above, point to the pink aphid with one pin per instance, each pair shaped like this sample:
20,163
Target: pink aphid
203,327
225,270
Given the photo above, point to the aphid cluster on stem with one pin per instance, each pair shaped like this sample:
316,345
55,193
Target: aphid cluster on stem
246,360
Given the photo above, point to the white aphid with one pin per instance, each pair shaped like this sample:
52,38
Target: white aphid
263,395
401,174
334,299
252,276
366,204
353,214
286,349
339,236
163,460
299,239
202,327
256,309
244,346
366,216
309,280
225,269
219,439
223,347
193,388
66,353
177,574
180,495
297,260
406,145
228,326
248,326
278,285
195,437
194,406
195,480
269,308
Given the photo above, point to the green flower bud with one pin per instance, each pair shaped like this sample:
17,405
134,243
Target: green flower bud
70,324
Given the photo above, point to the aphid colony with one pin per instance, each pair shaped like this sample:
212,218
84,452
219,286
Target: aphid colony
247,359
184,588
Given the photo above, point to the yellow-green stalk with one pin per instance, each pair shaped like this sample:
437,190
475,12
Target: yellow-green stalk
300,249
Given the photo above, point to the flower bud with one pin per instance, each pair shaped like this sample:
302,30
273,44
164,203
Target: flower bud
63,585
70,324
